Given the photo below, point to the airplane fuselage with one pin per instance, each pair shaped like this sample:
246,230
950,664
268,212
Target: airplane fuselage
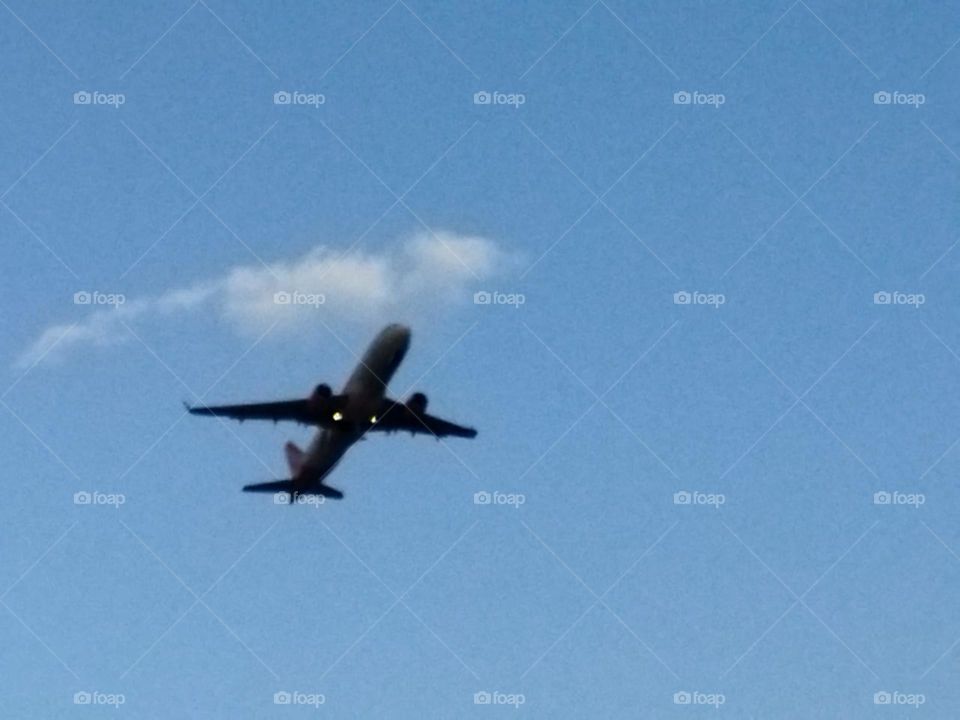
365,390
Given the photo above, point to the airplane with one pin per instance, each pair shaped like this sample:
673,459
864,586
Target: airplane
361,407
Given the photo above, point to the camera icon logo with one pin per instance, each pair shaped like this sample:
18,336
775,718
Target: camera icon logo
481,698
482,297
682,97
281,298
82,498
882,498
882,97
882,298
82,698
882,698
82,298
682,498
482,98
282,97
282,697
281,498
682,298
682,698
82,97
482,498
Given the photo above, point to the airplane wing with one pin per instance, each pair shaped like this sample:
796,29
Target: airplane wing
305,412
397,416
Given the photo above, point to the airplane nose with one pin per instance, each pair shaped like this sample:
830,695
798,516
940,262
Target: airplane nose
398,331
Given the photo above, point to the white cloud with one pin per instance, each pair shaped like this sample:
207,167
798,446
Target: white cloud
405,281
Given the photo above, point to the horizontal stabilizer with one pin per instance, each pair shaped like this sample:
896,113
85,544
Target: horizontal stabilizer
272,487
288,486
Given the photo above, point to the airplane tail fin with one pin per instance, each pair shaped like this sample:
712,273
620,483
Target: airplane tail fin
294,486
294,458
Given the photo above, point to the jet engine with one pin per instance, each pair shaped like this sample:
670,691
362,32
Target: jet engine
417,403
318,398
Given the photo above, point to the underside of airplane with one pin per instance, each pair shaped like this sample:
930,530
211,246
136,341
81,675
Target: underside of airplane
343,419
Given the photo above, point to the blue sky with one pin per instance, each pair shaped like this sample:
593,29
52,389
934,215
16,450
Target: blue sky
724,411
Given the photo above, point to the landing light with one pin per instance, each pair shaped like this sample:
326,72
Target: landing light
338,416
373,419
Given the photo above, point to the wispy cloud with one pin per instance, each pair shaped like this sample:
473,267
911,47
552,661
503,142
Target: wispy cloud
425,272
